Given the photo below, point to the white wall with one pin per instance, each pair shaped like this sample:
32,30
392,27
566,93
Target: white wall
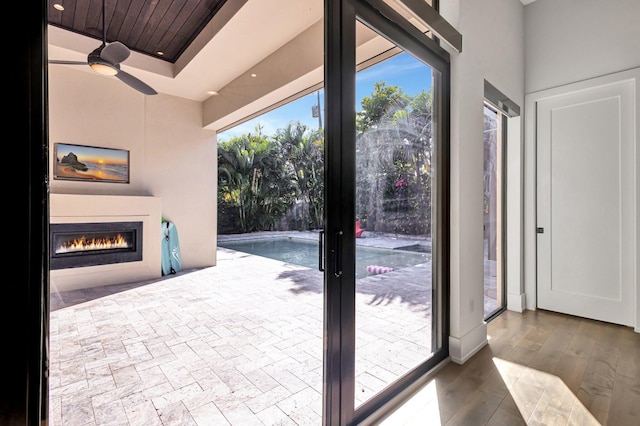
568,41
572,40
107,115
172,156
181,163
492,49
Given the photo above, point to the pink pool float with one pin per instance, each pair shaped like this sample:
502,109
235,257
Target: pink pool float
375,269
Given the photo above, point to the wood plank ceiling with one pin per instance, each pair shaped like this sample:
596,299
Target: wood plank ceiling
162,29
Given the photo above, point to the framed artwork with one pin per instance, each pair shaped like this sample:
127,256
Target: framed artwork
90,163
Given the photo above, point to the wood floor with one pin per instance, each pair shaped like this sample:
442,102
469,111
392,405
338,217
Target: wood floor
540,368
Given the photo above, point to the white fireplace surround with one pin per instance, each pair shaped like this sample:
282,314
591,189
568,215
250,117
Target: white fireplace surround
77,208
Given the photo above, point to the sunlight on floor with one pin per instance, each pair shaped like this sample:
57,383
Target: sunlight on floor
421,406
542,398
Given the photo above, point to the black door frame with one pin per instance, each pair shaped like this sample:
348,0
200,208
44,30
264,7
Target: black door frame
339,249
25,314
25,389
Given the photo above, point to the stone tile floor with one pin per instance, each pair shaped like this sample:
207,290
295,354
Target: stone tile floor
235,344
229,344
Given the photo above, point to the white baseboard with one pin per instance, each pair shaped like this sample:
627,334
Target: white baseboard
516,302
463,348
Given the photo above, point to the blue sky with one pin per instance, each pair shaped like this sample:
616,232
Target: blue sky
402,70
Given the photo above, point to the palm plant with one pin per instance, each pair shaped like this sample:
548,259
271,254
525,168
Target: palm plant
253,180
304,151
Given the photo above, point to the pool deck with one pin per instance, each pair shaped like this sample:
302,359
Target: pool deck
237,343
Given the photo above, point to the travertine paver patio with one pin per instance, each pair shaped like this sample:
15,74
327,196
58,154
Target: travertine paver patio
238,343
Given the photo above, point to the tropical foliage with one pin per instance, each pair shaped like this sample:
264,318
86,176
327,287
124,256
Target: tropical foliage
393,178
261,178
277,182
304,151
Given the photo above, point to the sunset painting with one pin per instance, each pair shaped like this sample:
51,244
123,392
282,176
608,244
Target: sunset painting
90,163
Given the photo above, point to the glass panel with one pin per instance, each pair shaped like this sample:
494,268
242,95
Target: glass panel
394,315
492,212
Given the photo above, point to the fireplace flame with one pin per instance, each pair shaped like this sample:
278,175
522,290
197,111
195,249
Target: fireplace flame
84,244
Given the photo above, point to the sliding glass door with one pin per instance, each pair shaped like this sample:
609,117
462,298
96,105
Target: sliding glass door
386,229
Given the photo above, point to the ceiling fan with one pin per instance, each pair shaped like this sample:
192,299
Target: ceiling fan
106,60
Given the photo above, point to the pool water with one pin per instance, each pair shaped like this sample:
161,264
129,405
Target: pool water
305,253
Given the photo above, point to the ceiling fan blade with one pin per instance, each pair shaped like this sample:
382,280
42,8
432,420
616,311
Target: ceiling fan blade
68,62
115,52
134,82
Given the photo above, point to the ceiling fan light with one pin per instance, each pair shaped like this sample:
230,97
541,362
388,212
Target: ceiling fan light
104,69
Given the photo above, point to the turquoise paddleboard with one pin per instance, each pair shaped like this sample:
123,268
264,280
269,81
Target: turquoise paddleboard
171,260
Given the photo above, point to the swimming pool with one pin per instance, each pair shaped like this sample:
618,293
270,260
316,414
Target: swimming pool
305,253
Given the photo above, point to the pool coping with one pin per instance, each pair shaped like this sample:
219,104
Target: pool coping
368,239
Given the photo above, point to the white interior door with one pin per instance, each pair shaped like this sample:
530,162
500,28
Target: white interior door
586,202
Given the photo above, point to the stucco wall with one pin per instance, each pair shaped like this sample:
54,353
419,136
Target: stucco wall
172,156
181,164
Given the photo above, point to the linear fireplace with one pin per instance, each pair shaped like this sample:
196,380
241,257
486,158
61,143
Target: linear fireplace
82,209
76,245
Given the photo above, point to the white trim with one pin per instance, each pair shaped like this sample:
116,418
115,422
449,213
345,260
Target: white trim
463,348
516,302
515,215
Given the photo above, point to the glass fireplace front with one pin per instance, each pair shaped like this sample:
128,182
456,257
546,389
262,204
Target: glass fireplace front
88,244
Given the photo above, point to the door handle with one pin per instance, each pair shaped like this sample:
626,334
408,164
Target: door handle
320,251
540,230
